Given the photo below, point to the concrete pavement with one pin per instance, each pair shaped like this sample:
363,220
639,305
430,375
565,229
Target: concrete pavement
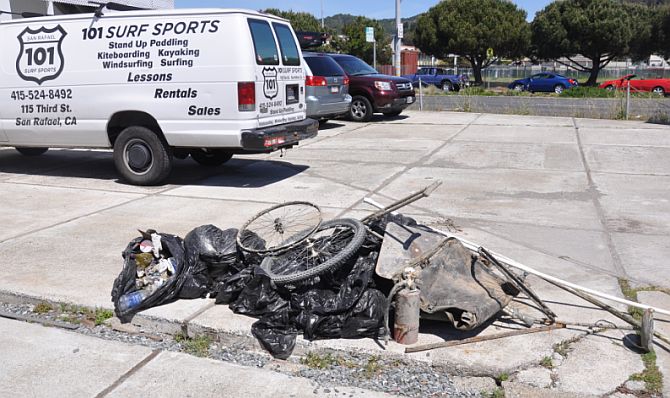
48,362
585,200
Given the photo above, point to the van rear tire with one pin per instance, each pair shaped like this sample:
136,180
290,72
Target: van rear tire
142,157
25,151
211,157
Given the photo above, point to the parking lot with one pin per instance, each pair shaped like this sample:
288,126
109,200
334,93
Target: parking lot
582,199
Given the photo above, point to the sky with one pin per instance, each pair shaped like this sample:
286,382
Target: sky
377,9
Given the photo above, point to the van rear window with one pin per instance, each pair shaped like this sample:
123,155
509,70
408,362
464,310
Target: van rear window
264,43
289,50
324,66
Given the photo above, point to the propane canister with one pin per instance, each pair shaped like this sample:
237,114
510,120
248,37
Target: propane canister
407,307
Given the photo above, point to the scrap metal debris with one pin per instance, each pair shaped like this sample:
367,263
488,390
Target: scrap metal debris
338,279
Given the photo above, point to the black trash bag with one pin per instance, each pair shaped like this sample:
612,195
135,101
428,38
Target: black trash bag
276,334
355,310
365,319
260,296
253,241
212,255
227,291
173,246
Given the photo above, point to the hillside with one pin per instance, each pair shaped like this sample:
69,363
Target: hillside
337,22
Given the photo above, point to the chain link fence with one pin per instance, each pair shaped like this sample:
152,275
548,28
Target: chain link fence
510,73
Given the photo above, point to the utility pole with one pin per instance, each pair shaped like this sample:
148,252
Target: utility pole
322,24
398,38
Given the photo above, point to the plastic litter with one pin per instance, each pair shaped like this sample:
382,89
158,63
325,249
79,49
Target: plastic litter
140,285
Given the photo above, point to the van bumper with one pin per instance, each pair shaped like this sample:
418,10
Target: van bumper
272,138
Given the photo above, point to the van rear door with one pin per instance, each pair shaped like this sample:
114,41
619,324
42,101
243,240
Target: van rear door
280,88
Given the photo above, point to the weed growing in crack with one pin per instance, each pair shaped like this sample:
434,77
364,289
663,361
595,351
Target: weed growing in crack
546,362
42,308
651,376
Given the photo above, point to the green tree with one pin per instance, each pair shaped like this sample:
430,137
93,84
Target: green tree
470,27
644,31
663,31
303,21
355,44
600,30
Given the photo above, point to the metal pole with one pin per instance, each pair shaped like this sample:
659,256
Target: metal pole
627,99
398,40
374,53
322,24
420,95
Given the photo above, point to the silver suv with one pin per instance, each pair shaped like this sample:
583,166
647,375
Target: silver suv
327,88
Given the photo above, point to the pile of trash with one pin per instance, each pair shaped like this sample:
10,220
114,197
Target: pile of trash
341,278
342,303
348,301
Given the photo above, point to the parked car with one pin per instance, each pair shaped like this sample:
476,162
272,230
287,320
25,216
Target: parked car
544,82
657,86
372,91
440,78
326,88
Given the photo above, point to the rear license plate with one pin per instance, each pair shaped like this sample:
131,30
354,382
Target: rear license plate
410,100
334,89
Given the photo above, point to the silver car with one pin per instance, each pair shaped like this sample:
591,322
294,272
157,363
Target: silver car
327,88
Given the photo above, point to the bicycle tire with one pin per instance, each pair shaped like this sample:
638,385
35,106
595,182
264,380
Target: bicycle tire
356,241
286,242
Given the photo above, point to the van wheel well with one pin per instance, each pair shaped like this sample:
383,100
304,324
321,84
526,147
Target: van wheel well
122,120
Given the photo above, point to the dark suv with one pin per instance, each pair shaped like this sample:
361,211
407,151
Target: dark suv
373,92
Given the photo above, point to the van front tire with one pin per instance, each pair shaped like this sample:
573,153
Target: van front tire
31,151
142,157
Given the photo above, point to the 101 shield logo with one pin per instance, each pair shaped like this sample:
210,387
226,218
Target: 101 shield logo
270,85
41,54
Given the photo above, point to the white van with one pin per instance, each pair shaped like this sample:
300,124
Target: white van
153,85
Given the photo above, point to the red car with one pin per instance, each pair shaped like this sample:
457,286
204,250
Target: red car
658,86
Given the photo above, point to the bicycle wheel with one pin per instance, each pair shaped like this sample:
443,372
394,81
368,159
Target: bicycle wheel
279,227
332,244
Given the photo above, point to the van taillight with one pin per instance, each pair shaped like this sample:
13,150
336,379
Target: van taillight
346,81
246,96
316,81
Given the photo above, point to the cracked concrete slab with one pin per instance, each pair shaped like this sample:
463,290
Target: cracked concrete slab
628,159
604,359
535,377
419,132
45,362
28,208
503,155
644,257
518,196
436,118
78,261
259,187
170,375
365,177
520,390
617,124
635,203
517,134
515,120
629,137
563,243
